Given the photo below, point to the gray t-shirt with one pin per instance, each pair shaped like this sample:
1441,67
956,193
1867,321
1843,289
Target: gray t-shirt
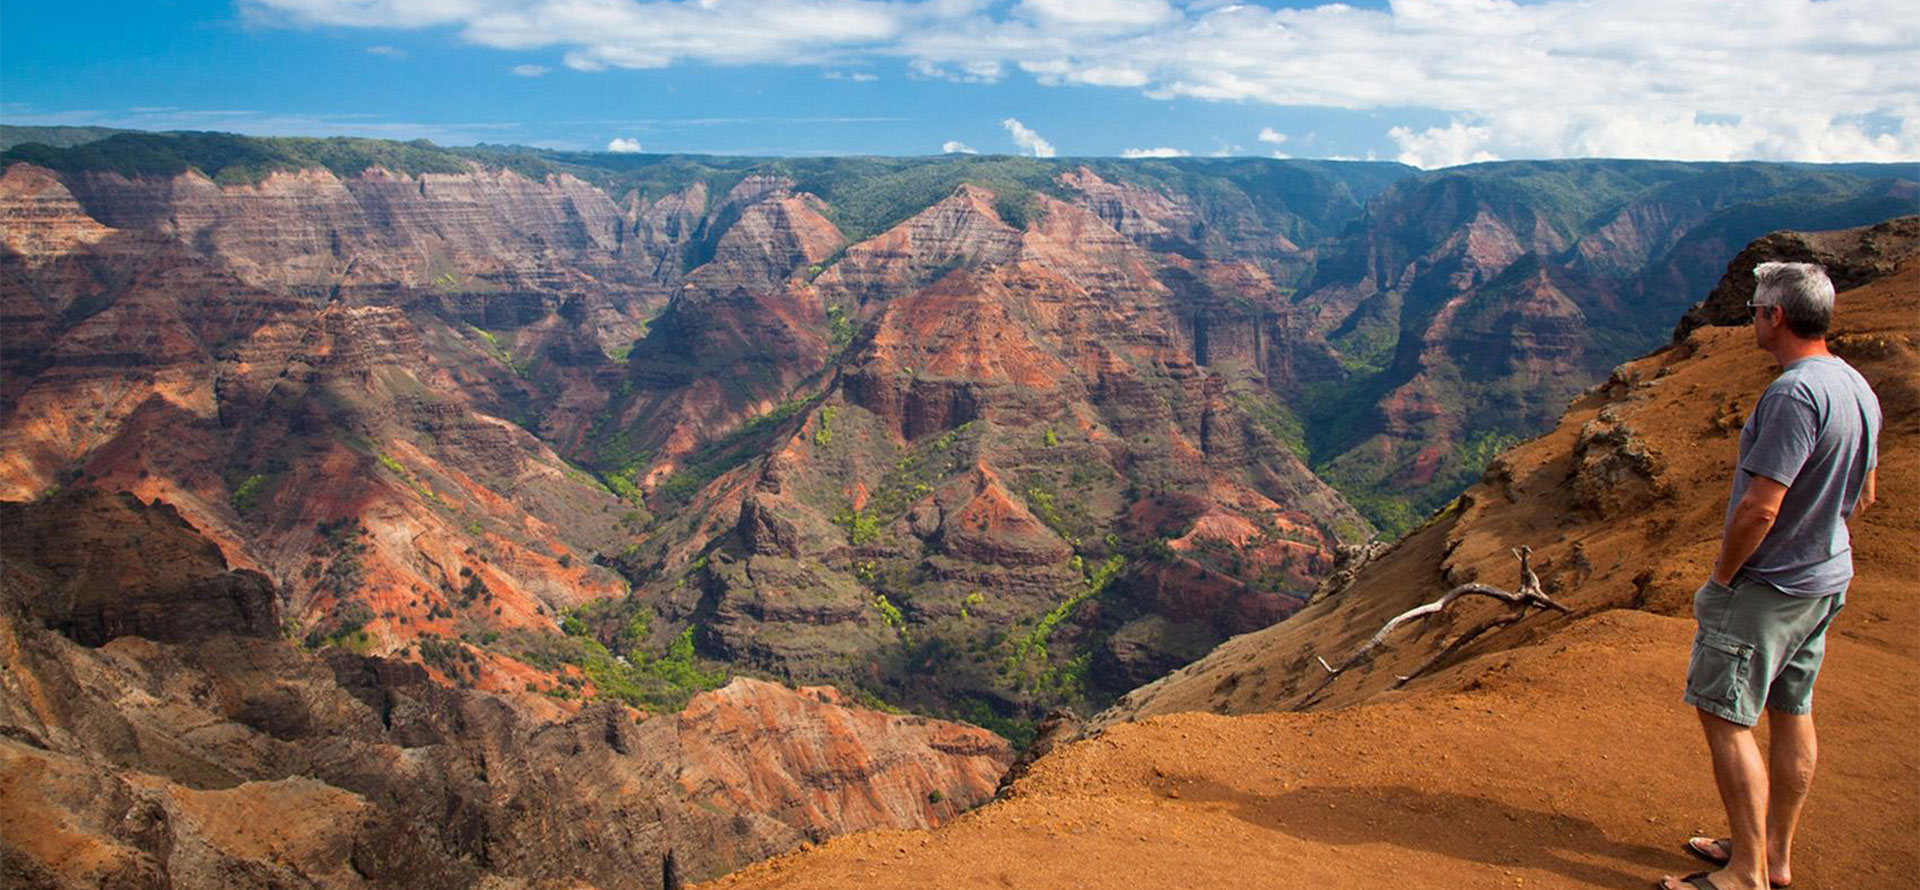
1815,430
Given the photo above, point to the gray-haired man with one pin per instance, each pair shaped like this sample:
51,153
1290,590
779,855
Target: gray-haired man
1807,459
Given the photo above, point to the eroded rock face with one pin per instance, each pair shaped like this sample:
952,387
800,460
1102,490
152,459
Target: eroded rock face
1461,290
964,229
107,566
976,464
231,758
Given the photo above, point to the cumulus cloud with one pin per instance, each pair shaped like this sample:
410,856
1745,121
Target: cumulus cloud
1446,146
529,70
1806,80
1161,152
955,146
1269,134
1027,139
623,146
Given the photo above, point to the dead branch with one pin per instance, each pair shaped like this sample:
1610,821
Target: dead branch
1458,643
1530,596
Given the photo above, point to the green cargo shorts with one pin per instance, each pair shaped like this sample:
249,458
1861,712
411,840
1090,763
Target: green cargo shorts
1756,647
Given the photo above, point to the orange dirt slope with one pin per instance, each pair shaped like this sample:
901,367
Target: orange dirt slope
1554,753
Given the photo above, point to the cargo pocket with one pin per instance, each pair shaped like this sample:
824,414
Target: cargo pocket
1718,672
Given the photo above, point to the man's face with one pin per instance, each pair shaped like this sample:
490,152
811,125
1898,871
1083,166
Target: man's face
1766,318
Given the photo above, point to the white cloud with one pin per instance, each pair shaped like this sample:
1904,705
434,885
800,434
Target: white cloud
978,71
955,146
855,76
1100,13
1446,146
1269,134
1162,152
530,70
623,146
1027,139
391,52
1811,80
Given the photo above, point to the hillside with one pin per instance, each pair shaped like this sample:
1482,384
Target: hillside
1555,752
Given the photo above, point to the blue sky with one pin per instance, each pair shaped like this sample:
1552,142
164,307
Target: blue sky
1429,82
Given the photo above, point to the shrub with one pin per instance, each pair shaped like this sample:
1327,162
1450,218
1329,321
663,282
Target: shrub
247,496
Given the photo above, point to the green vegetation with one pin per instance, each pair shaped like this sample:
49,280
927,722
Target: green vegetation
247,496
661,682
55,137
451,657
345,628
1015,729
863,526
335,567
238,160
823,434
839,328
890,614
1034,646
398,469
1279,420
621,462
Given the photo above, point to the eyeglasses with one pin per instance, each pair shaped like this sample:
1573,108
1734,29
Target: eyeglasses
1754,307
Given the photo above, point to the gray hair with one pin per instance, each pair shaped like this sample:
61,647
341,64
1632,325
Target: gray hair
1802,291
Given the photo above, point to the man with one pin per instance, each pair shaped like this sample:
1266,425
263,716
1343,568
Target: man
1806,466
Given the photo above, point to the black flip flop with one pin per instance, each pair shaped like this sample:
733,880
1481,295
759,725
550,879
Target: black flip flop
1715,860
1698,880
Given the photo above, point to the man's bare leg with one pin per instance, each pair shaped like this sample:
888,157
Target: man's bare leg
1793,751
1741,775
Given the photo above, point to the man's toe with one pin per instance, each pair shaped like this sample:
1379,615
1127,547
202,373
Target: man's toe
1715,850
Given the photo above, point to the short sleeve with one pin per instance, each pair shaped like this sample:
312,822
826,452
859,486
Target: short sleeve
1785,428
1873,430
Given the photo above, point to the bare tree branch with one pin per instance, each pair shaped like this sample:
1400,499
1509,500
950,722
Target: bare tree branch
1530,596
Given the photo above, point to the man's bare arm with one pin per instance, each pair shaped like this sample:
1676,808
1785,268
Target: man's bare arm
1866,497
1753,516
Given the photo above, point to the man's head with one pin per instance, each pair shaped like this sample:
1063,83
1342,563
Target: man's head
1796,296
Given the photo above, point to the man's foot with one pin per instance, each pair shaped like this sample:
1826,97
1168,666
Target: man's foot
1697,881
1719,851
1715,850
1701,880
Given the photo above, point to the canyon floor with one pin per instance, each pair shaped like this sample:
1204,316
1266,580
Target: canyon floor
1560,756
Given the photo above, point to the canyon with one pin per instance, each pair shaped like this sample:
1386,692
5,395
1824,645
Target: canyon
605,515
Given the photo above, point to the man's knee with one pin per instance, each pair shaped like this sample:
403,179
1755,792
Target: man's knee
1717,726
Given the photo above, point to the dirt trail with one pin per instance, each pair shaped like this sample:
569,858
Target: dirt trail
1555,754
